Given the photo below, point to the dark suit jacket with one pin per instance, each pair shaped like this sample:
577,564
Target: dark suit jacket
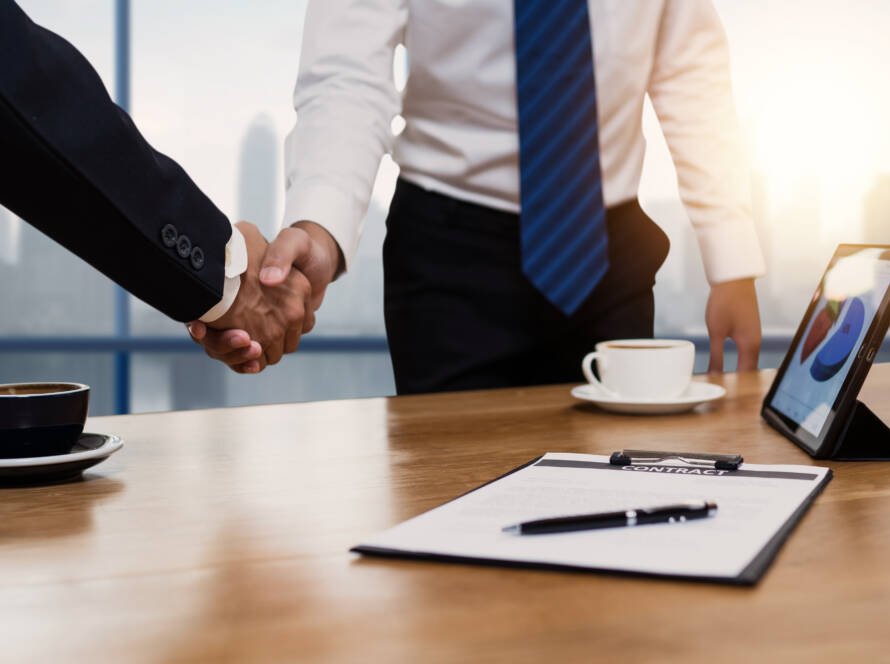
73,164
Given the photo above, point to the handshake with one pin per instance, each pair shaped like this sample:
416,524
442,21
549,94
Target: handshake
280,292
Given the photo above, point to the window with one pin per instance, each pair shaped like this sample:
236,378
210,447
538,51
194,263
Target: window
211,86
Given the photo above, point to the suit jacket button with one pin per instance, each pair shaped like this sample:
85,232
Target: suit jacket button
197,258
183,246
169,235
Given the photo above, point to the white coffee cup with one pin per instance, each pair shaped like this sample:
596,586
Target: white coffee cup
641,368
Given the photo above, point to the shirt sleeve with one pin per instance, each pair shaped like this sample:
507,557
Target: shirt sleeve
691,93
236,265
345,100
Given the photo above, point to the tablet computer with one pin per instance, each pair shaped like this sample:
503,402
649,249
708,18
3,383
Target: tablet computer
816,387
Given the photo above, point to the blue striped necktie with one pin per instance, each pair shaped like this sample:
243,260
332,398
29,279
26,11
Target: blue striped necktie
563,218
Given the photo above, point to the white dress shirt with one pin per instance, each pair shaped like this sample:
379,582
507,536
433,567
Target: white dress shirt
459,106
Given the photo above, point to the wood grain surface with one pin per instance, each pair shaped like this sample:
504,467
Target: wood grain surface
223,536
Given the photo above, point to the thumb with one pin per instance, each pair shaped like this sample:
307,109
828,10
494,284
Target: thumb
292,246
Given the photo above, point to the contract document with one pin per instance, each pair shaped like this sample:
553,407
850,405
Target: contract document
757,507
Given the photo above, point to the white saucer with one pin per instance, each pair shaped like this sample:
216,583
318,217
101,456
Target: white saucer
90,449
697,393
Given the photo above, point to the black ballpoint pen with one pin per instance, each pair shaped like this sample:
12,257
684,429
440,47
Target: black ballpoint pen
676,513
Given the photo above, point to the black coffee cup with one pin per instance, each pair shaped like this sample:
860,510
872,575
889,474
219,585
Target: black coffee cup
41,419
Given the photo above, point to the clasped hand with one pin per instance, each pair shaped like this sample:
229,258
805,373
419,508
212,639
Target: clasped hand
280,292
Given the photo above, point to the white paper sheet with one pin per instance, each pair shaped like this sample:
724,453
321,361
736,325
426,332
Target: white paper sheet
753,504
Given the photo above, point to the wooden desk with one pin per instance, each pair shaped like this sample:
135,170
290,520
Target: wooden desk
222,535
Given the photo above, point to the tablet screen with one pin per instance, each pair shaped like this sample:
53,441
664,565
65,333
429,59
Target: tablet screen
846,302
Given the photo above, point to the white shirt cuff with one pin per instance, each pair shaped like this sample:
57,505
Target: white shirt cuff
730,251
338,213
236,265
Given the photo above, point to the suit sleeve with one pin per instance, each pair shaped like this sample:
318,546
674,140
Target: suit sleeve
75,167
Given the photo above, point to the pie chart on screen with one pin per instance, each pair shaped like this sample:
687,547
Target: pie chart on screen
822,323
837,349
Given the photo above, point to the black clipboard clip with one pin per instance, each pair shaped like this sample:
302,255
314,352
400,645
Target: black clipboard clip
697,459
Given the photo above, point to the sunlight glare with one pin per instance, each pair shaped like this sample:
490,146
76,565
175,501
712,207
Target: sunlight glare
814,123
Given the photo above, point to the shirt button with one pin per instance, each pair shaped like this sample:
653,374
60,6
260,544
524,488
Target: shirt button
197,258
169,235
183,246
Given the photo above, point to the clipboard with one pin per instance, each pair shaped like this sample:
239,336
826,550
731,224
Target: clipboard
464,530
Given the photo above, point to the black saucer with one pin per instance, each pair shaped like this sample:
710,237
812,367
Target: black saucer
90,449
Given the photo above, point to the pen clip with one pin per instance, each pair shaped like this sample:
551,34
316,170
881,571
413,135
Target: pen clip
697,459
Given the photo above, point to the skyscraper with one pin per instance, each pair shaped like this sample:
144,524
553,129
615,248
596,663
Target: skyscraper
258,183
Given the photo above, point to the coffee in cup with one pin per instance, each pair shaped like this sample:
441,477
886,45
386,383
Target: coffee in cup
641,368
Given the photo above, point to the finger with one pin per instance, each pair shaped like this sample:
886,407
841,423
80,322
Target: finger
749,352
716,362
242,355
316,299
308,322
292,341
255,365
297,317
252,367
292,246
197,330
221,342
237,356
274,352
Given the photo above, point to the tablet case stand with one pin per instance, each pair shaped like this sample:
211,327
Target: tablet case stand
865,437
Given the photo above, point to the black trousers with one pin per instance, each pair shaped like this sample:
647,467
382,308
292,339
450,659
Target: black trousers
460,314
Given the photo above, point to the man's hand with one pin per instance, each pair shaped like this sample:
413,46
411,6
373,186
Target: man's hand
732,313
309,248
305,248
265,322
